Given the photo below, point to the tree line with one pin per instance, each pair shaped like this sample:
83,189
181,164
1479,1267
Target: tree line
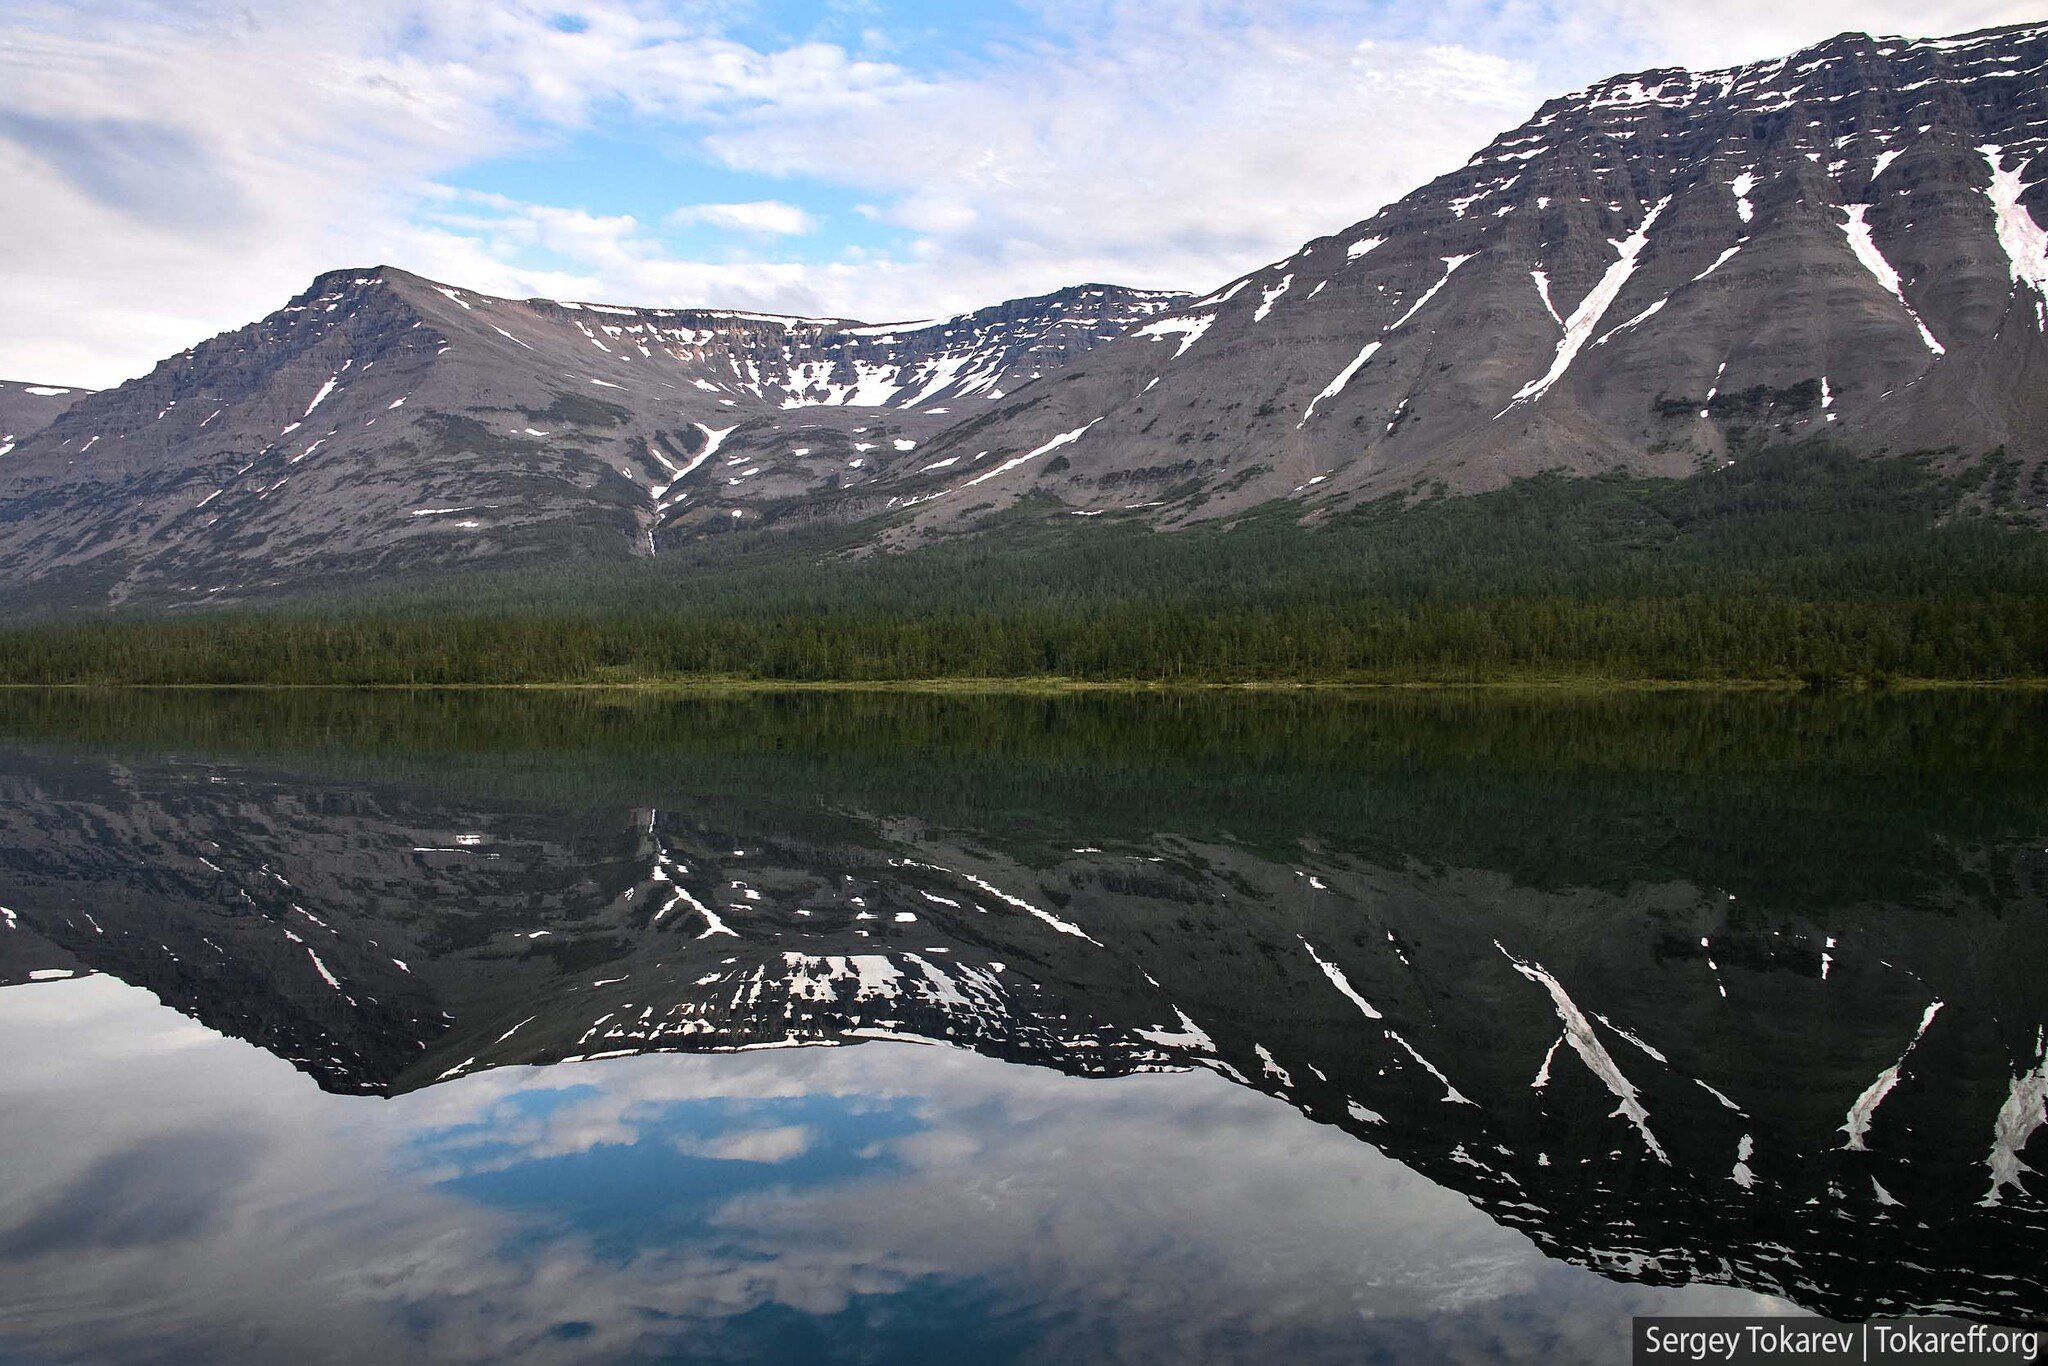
1802,564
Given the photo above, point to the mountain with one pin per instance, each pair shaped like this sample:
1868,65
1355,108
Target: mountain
1663,273
1825,1089
381,423
1659,272
26,409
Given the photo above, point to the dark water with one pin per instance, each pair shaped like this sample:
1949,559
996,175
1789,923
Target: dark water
509,1028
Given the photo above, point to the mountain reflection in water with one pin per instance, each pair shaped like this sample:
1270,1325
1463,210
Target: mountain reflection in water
1271,1025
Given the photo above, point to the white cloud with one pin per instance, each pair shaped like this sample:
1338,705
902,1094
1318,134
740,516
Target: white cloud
175,168
1630,34
175,172
768,216
1169,148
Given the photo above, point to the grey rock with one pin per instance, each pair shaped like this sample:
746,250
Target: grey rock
1655,273
26,408
381,424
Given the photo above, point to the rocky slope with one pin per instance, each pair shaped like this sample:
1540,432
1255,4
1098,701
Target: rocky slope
1657,272
26,409
381,423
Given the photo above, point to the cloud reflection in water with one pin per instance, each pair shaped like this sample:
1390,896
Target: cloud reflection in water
819,1203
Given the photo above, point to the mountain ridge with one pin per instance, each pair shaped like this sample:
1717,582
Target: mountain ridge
27,407
250,460
1662,273
1579,296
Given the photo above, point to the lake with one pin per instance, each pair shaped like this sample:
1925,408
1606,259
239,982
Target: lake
868,1027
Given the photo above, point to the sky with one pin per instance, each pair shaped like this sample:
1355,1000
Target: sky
176,168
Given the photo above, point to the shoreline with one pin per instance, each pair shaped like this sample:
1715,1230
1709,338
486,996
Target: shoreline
714,685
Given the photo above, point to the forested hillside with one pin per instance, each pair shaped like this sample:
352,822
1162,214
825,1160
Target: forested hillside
1804,564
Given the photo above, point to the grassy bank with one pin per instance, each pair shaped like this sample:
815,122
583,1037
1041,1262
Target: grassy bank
715,686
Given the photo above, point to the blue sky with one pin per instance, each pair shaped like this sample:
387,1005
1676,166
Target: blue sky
177,168
646,167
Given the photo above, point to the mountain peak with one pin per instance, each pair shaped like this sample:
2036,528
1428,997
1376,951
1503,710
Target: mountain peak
1655,273
381,421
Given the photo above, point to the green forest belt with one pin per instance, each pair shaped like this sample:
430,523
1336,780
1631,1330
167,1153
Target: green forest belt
1798,566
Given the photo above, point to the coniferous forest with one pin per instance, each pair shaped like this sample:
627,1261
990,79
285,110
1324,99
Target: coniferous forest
1797,565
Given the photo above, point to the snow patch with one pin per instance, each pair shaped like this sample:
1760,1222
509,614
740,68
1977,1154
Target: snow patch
1189,330
321,968
1451,264
1189,1035
1857,230
1542,279
1063,439
1652,311
1719,261
319,398
1864,1110
1452,1096
1740,187
1336,386
1222,296
2025,1110
1267,297
1578,1032
1341,982
1578,329
2026,245
1063,926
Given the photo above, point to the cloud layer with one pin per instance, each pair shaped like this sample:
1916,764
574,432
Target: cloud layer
178,168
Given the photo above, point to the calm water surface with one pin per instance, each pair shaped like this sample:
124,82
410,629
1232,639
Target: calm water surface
572,1029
